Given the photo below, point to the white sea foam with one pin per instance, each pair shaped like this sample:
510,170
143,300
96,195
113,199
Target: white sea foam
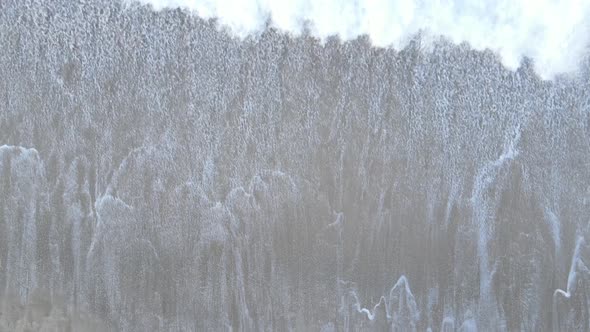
551,32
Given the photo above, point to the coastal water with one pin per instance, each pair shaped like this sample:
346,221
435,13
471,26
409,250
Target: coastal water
158,173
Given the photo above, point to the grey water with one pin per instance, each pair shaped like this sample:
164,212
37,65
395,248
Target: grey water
157,174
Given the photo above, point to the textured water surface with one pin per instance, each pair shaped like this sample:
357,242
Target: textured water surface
157,174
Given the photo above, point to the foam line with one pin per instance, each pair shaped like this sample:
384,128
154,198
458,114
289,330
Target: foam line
551,32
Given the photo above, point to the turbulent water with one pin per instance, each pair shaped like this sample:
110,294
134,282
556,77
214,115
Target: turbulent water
159,174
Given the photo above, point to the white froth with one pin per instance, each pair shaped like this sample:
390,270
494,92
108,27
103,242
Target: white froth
551,32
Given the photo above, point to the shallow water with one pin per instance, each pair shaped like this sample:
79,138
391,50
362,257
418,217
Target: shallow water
158,174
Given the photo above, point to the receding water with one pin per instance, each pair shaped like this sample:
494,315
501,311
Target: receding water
158,174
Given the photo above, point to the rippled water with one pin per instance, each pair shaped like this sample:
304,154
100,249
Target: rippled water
158,174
